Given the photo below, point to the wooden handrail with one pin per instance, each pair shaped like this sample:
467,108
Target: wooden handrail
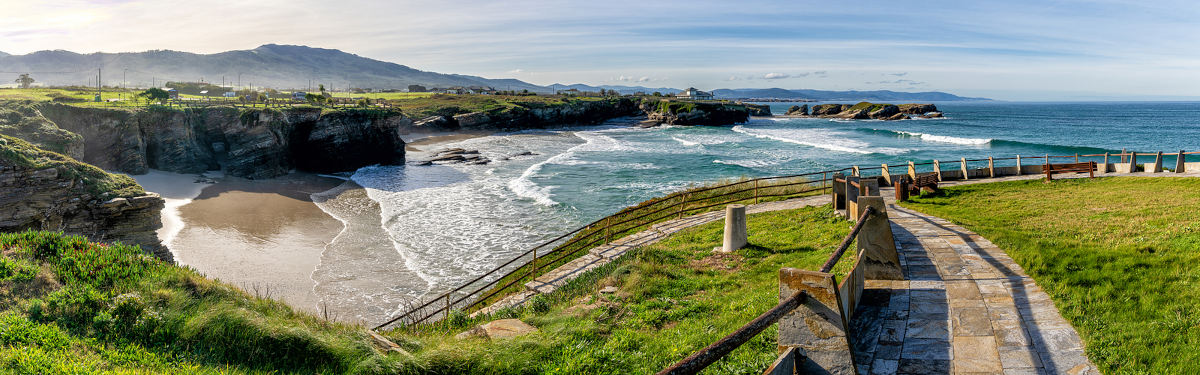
837,255
701,359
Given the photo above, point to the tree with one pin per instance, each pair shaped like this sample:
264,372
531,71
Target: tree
155,94
322,87
657,94
24,80
416,88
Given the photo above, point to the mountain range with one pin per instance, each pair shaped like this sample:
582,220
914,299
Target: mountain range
302,67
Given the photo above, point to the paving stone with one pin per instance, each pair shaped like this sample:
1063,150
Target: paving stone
1011,333
971,321
924,366
926,349
884,367
888,350
892,331
976,354
927,326
1020,357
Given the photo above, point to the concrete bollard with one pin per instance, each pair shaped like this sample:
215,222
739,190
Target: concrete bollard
735,228
1133,162
1180,163
966,175
991,168
912,170
887,175
1018,165
880,260
1157,163
1103,168
937,169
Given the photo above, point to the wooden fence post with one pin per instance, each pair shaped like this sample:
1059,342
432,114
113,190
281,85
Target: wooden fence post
937,169
851,197
755,191
1123,155
682,203
991,168
839,191
966,176
1019,164
912,170
887,175
1076,157
1180,163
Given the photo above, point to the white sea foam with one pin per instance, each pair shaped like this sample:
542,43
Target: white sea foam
746,163
949,139
685,142
819,138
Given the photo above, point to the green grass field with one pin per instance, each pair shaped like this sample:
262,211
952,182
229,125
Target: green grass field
1120,257
673,298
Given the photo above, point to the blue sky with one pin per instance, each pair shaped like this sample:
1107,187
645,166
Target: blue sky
1014,50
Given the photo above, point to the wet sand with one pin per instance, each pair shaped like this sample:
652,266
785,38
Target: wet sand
427,142
265,236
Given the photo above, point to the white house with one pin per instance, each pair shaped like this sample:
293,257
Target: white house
694,94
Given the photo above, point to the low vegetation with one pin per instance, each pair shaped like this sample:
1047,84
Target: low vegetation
95,180
671,298
1117,255
633,219
68,306
22,120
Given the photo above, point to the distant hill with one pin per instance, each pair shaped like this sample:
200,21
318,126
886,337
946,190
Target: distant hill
618,88
823,95
2,54
271,65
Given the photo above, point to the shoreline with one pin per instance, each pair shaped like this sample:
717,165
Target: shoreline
439,138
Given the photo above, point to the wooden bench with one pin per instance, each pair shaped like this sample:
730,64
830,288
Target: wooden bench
924,182
1052,169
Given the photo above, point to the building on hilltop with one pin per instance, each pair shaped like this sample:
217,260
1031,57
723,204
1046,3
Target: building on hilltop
694,94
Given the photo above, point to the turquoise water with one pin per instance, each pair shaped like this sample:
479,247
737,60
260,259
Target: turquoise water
453,222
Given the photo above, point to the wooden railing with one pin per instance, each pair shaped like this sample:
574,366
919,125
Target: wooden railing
504,278
552,253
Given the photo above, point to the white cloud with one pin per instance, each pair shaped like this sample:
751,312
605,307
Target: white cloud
776,76
516,71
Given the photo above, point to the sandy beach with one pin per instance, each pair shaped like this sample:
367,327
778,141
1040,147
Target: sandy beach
265,236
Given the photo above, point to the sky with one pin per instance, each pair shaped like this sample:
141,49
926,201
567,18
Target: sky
1010,50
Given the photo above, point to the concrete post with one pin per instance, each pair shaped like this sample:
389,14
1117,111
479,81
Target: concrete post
887,175
1019,165
912,170
851,197
817,327
1104,167
839,191
1180,163
870,187
937,169
1157,163
964,169
1123,155
1132,162
991,168
856,174
879,258
735,228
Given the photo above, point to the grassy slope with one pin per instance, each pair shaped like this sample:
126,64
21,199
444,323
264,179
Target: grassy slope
674,297
69,306
94,179
1119,257
21,119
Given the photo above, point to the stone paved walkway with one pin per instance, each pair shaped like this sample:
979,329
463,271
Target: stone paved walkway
964,308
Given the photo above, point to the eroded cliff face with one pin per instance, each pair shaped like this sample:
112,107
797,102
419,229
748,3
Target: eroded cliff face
577,112
45,191
695,113
254,143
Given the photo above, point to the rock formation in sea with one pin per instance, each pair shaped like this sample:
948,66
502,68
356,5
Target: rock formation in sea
42,190
695,113
867,110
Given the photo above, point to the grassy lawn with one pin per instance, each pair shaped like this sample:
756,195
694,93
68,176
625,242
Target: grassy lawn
634,219
673,298
1119,256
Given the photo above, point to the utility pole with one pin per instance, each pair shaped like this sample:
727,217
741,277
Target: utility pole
99,89
123,87
239,79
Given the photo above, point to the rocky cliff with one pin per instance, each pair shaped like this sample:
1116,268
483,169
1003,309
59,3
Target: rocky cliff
42,190
876,111
254,143
533,116
695,113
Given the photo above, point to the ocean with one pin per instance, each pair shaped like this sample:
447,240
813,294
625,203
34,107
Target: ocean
440,226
